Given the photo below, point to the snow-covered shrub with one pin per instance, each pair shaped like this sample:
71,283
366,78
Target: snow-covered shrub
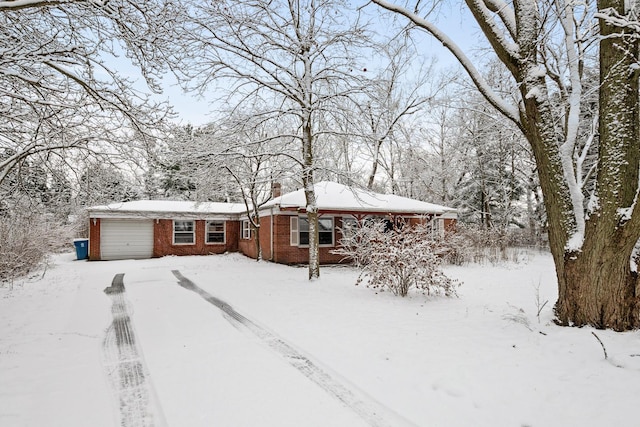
27,238
472,244
397,260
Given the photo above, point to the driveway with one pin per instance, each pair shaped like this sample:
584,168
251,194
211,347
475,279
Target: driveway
202,354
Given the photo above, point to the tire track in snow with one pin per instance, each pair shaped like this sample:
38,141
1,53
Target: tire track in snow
373,412
124,365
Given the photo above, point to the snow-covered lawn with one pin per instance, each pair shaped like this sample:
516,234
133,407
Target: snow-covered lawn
283,351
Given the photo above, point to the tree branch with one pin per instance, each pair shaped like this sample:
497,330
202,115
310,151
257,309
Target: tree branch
27,4
500,104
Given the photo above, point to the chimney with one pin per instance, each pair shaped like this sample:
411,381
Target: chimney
276,190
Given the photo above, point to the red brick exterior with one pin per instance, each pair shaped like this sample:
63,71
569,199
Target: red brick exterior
163,240
94,239
248,246
265,237
449,224
283,252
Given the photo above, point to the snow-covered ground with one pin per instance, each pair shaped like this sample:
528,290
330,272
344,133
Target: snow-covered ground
239,343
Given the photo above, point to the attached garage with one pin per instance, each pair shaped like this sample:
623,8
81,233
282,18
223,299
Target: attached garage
126,239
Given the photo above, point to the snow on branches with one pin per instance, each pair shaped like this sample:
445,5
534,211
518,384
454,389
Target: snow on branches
397,259
61,87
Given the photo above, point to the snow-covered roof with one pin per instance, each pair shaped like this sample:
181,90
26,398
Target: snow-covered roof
172,208
338,197
330,196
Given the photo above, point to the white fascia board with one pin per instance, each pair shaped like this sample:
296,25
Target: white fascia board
452,214
342,212
161,215
374,209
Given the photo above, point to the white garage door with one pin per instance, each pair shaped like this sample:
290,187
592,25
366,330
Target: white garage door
126,239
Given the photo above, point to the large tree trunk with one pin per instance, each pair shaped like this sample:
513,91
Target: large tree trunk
595,283
599,287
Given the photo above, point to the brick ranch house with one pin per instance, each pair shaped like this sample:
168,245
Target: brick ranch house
156,228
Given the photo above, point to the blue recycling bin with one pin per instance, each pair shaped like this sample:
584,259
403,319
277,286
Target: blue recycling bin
82,248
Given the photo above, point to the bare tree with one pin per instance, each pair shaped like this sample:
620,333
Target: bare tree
247,150
289,58
545,46
392,96
440,134
57,89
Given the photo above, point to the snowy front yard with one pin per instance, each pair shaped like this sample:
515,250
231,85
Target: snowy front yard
241,343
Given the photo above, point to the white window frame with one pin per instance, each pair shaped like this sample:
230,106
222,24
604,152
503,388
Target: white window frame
245,230
224,232
192,232
295,231
438,227
294,237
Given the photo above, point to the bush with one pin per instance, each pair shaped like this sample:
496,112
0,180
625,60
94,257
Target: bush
472,244
27,238
397,260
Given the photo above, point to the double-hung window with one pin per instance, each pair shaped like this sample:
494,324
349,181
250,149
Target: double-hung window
246,230
325,231
183,232
437,227
300,231
215,232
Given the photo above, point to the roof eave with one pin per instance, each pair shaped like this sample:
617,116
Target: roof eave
101,213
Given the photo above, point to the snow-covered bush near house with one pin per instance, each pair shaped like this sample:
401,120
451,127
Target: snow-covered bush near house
397,260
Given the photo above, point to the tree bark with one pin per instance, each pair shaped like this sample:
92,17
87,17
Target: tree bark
310,195
599,287
256,231
374,166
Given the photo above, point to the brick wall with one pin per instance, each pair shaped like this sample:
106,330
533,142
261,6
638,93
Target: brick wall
163,240
233,235
94,239
248,246
449,224
265,237
286,254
